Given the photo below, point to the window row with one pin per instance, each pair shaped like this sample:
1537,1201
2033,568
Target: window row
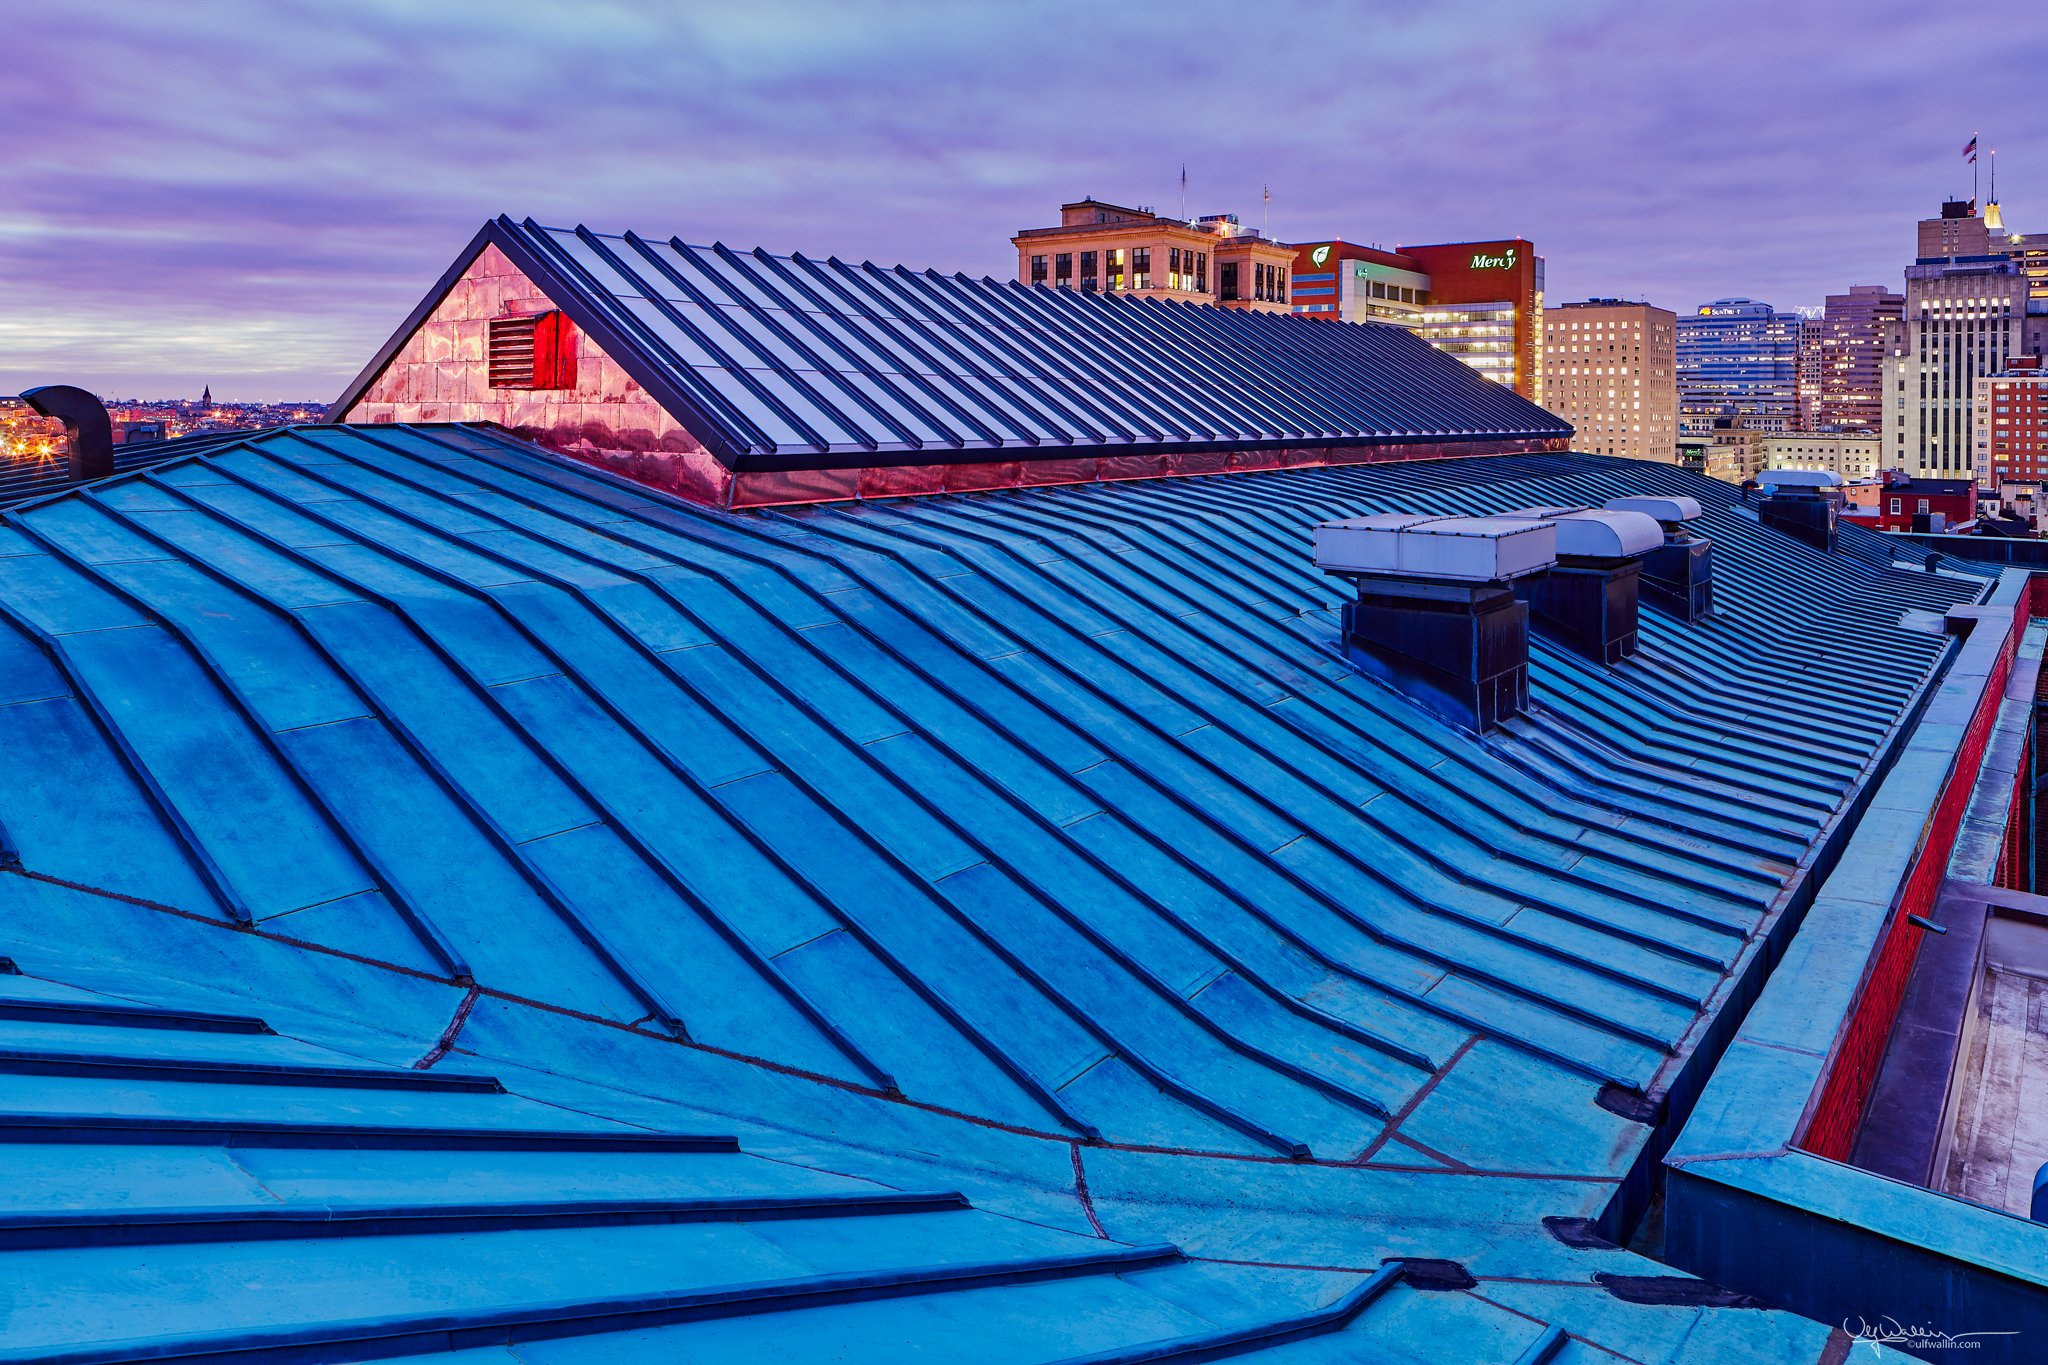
1266,283
1119,269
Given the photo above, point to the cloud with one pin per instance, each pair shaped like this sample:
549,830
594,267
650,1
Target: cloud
253,194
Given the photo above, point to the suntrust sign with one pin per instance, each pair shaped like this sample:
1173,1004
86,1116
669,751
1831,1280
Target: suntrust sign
1481,261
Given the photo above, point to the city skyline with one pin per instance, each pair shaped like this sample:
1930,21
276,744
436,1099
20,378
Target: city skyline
251,195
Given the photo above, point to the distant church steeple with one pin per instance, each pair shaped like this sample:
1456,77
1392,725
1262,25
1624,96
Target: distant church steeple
206,396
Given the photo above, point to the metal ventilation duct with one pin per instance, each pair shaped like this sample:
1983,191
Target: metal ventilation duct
87,431
1436,615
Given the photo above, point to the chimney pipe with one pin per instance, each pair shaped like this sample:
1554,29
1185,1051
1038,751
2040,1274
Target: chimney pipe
1587,602
86,429
1436,616
1678,577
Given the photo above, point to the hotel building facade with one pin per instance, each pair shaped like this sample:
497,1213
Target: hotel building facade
1110,249
1609,370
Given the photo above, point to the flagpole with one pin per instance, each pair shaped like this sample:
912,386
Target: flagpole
1973,169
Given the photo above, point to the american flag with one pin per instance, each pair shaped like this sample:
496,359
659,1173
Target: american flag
1970,152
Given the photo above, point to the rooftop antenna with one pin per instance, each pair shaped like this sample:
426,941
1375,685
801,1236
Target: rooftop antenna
1266,222
1183,191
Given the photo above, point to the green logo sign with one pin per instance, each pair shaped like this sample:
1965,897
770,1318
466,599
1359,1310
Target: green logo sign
1481,261
1319,255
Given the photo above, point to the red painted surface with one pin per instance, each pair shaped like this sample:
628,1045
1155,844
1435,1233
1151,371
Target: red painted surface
1833,1129
554,352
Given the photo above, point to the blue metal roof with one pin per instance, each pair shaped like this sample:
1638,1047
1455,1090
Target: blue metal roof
784,362
1033,845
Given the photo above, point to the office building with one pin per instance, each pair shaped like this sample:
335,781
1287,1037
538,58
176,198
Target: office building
1479,301
1848,344
1103,248
1810,365
1735,452
1609,370
1740,358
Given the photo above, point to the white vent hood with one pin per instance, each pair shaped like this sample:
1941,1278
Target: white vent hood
1598,534
1675,507
1799,478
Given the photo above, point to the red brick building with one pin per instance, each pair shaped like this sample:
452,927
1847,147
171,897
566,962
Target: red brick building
1908,504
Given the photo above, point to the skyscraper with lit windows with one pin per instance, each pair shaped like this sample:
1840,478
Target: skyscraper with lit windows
1608,370
1740,358
1968,294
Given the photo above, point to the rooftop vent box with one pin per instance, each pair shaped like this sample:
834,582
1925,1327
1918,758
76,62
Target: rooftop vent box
1460,549
1677,576
1588,600
1436,615
1802,503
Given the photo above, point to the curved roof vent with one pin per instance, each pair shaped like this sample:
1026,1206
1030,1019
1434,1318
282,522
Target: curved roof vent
1588,600
87,431
1803,503
1678,577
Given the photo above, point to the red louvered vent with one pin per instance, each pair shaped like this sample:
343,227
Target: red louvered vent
533,352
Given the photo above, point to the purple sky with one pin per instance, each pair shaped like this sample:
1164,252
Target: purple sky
252,195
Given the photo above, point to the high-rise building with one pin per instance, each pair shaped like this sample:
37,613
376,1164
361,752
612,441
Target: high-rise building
1968,314
1110,249
1609,369
1479,301
1740,358
1849,344
1810,366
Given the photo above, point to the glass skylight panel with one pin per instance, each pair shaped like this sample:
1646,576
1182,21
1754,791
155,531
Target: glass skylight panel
755,329
1014,404
677,338
938,427
579,251
825,406
752,406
